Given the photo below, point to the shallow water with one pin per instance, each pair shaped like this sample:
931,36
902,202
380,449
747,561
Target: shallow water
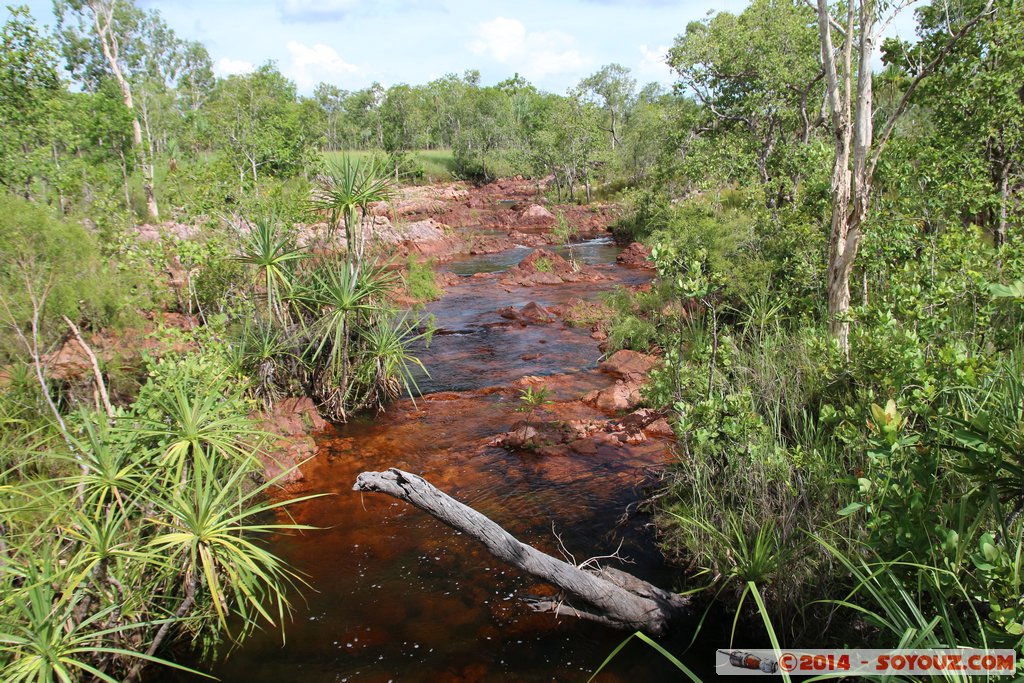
398,596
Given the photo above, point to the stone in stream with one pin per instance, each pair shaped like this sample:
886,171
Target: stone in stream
625,363
530,313
635,255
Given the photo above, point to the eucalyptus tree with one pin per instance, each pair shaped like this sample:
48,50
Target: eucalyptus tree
573,143
614,90
403,119
30,90
487,125
114,38
331,101
847,64
758,79
257,120
976,99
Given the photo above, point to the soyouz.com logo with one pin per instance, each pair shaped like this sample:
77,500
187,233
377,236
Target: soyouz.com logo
866,662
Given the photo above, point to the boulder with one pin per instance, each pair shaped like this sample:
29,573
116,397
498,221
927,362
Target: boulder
623,395
625,363
635,255
535,213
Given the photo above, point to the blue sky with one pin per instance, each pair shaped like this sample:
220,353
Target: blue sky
352,43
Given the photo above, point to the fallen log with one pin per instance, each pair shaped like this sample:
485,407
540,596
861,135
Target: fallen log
607,596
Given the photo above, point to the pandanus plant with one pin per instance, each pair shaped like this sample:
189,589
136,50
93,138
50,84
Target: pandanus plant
344,195
339,301
272,254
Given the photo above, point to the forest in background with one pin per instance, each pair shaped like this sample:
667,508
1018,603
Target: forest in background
838,308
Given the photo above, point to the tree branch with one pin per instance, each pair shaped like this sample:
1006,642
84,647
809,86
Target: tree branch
613,598
925,71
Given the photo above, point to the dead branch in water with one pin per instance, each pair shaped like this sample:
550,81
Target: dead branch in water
604,595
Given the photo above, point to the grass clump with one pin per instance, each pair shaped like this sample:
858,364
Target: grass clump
544,265
421,282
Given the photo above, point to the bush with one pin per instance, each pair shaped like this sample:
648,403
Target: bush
421,281
43,254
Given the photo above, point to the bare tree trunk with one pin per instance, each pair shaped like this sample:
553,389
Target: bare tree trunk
608,596
101,386
103,15
1004,200
851,186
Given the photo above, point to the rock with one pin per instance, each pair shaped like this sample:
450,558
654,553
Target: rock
295,419
69,362
623,395
535,213
535,313
625,362
635,255
659,427
170,229
544,267
522,436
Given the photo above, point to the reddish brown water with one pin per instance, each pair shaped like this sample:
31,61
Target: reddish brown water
398,596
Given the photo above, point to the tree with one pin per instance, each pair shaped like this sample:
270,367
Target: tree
849,97
756,75
613,88
330,100
402,122
257,120
486,125
976,99
29,89
118,28
572,143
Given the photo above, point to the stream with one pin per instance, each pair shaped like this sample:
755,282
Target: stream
397,596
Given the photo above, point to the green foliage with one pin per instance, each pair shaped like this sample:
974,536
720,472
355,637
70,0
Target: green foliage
531,399
142,532
43,254
257,119
273,256
421,280
544,265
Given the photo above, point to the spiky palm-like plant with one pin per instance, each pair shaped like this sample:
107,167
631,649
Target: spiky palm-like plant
343,195
389,366
272,255
339,302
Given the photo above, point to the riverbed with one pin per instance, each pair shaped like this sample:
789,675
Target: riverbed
393,594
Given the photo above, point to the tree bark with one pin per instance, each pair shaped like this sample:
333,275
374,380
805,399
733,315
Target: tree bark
853,128
103,14
607,596
101,386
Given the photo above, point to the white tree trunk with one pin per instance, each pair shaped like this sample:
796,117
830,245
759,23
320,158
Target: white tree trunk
103,13
608,596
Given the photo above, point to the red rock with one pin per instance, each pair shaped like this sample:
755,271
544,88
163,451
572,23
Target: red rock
623,395
536,213
635,255
659,427
625,362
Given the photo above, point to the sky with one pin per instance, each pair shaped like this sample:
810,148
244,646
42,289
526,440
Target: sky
353,43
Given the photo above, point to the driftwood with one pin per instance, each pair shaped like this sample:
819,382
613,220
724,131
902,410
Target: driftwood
604,595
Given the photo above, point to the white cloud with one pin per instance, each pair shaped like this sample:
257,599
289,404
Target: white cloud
653,67
315,10
534,54
229,67
310,65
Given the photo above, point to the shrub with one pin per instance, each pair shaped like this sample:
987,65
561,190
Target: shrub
41,253
421,280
